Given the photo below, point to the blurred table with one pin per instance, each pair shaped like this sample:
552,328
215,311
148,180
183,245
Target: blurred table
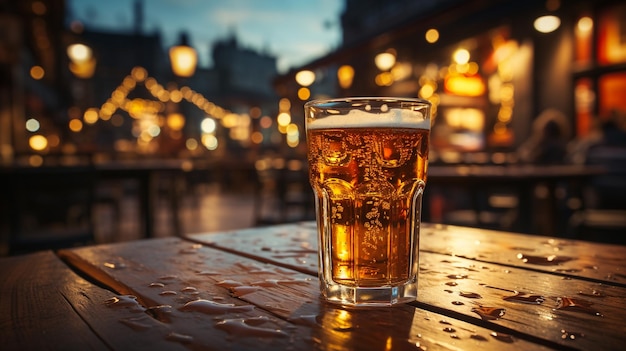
257,289
145,173
521,180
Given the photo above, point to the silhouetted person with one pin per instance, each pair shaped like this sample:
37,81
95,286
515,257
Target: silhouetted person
610,153
548,142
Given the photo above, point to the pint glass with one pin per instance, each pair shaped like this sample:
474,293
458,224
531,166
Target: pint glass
368,160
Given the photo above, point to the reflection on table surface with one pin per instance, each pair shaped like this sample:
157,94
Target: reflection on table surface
257,288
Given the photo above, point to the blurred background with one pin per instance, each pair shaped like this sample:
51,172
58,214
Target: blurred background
123,119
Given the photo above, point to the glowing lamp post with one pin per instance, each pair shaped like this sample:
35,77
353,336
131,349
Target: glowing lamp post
82,61
183,58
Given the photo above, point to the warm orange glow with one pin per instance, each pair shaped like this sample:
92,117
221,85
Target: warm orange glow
283,119
585,24
139,74
284,105
385,60
345,75
90,116
547,24
461,56
184,60
464,86
209,141
37,72
191,144
265,122
432,35
175,121
79,53
83,69
54,140
38,142
256,137
76,125
426,91
39,8
304,93
384,79
82,61
35,160
305,78
255,112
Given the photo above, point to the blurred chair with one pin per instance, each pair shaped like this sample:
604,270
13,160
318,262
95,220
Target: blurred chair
603,216
282,192
50,207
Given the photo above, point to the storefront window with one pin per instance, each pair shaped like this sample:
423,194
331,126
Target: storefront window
584,99
612,35
583,36
612,89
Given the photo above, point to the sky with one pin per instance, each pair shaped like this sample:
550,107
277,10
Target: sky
294,31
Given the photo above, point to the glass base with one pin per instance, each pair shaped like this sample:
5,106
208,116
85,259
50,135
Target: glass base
357,296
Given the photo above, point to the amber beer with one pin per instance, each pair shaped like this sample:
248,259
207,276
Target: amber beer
368,171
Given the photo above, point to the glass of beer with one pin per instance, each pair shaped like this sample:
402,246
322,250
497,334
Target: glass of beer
368,160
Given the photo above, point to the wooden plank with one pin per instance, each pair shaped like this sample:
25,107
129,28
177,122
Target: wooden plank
492,282
35,314
569,258
293,246
253,305
532,302
45,304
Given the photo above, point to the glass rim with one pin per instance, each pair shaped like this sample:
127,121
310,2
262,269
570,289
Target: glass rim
363,99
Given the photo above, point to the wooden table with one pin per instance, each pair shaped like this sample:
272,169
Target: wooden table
257,289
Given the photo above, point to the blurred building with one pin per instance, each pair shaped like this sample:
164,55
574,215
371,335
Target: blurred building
29,42
114,92
489,67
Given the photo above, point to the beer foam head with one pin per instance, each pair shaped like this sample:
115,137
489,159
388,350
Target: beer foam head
396,118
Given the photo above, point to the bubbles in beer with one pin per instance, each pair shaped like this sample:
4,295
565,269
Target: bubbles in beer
369,182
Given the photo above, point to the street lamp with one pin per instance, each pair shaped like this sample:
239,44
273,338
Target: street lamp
183,58
82,61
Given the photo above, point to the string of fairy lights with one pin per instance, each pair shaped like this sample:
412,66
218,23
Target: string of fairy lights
150,118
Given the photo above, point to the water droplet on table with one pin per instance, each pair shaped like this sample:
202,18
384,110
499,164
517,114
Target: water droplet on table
125,301
576,305
478,337
248,327
190,250
569,335
189,289
502,337
550,260
470,295
212,307
305,319
182,338
489,313
228,283
114,265
525,298
593,293
242,290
